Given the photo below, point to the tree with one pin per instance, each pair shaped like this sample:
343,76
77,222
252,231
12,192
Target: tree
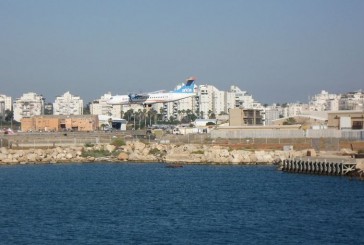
128,114
144,113
102,126
9,115
290,121
152,115
86,109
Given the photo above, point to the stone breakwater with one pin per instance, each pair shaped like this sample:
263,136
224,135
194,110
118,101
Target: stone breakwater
140,152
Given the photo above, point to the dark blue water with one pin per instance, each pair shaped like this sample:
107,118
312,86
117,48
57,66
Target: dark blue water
151,204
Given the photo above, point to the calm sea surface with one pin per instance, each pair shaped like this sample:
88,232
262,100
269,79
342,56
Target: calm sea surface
149,204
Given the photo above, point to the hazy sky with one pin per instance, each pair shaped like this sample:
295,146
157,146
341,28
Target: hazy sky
278,51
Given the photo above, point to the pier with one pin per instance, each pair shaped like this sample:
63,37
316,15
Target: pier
315,165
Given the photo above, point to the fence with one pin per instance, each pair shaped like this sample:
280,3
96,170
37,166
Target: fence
353,134
320,140
58,139
282,134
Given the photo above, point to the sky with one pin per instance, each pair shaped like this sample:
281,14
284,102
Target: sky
277,50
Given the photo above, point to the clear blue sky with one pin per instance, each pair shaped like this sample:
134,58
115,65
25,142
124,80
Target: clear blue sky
278,51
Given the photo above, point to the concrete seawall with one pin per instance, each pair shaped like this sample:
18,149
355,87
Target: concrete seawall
319,165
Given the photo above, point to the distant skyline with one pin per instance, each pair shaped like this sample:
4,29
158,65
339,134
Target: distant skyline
278,51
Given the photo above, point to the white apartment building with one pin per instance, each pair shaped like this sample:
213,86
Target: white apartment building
271,113
219,102
209,100
324,102
244,100
68,104
352,101
29,105
101,107
294,109
5,104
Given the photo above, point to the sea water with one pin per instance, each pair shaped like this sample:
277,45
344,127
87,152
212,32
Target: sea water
113,203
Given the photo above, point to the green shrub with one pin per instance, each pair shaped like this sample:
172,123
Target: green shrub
154,151
361,151
118,142
198,152
89,144
96,153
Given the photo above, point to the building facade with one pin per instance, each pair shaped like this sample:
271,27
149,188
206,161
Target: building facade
55,123
352,101
324,102
101,107
346,120
68,104
28,105
5,104
244,117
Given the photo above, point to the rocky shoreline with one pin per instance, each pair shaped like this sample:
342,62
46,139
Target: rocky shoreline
140,152
154,152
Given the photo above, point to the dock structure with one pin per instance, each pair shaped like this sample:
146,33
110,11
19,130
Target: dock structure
322,166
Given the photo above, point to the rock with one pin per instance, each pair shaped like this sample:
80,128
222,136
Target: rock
60,156
360,165
347,152
110,148
123,156
69,156
91,159
58,150
32,157
3,156
4,150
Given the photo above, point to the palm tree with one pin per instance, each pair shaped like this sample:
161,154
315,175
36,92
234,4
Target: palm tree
145,117
102,126
154,115
128,115
110,121
139,116
151,113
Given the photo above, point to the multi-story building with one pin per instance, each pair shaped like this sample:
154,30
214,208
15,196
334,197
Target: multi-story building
271,113
68,104
5,104
206,100
209,101
244,100
324,102
178,109
352,101
294,109
213,101
101,107
243,117
29,105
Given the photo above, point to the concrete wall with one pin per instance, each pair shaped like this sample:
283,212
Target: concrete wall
286,134
53,123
